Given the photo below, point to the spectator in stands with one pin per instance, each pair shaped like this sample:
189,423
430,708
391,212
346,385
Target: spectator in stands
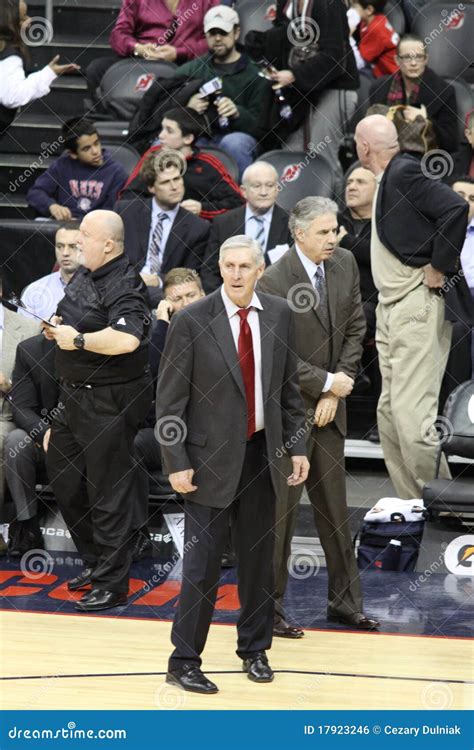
236,119
154,31
260,218
13,329
34,397
16,89
43,295
464,159
209,189
323,72
83,179
415,84
159,233
181,287
377,38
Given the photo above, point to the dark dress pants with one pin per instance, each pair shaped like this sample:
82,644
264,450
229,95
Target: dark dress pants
251,516
92,468
148,454
326,488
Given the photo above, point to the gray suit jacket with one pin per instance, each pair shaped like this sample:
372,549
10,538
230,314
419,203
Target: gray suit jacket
201,396
321,351
16,328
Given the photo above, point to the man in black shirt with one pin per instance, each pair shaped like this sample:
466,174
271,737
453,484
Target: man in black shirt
102,364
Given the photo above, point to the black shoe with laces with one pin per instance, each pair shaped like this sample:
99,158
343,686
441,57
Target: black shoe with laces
190,678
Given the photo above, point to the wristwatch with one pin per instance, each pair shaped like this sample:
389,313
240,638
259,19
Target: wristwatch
79,341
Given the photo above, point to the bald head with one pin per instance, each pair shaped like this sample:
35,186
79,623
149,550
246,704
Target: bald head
260,186
101,238
376,139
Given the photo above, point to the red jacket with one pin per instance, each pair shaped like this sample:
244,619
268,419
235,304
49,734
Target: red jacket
152,22
378,45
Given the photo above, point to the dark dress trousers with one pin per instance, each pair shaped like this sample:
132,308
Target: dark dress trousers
231,224
320,351
201,395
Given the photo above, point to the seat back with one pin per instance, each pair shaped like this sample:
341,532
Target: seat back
464,102
457,423
123,153
300,175
446,29
255,15
394,12
125,82
226,160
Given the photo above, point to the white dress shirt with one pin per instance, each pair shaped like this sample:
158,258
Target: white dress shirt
254,323
311,268
16,89
252,226
467,255
155,212
43,296
1,337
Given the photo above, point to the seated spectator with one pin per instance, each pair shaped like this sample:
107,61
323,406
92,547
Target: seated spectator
83,179
159,234
260,218
209,189
415,84
236,119
33,398
13,329
181,287
464,159
16,89
154,31
377,38
43,295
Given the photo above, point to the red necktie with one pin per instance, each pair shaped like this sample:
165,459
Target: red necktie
247,366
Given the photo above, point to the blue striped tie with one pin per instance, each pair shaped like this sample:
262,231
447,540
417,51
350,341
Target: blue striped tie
156,251
260,236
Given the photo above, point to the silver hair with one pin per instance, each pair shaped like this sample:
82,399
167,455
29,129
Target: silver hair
307,210
251,168
241,240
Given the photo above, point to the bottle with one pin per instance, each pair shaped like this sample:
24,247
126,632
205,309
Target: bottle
283,107
223,121
391,555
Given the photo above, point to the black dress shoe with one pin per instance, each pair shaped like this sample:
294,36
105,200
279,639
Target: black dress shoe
192,679
229,559
142,546
96,600
373,435
357,620
258,668
283,629
82,581
24,536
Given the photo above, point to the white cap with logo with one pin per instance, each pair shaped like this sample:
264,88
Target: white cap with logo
220,17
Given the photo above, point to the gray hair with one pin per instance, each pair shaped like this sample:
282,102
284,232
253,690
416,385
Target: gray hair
242,241
247,175
307,210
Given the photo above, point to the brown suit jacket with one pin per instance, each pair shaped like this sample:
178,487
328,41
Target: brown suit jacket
321,351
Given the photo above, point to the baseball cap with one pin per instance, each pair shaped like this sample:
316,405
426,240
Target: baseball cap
220,17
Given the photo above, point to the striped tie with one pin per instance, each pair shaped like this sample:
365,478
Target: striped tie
156,252
260,236
321,288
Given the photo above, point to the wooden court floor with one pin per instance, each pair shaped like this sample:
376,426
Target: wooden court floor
51,661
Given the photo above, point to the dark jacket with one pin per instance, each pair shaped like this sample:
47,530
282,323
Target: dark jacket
35,392
186,244
439,99
357,240
421,220
463,159
205,180
230,224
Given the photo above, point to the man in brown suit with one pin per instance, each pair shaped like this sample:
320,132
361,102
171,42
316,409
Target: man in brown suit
321,284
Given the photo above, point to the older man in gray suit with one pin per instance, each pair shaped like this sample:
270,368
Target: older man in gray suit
228,404
320,282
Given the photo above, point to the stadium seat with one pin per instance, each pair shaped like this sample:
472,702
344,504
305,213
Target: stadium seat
394,12
123,153
124,84
464,102
226,159
26,252
447,32
255,15
299,175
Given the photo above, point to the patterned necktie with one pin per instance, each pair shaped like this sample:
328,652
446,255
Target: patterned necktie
247,366
321,288
260,236
156,251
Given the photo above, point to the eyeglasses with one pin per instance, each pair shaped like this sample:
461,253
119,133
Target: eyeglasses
409,58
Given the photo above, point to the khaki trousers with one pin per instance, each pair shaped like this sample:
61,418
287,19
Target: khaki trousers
413,341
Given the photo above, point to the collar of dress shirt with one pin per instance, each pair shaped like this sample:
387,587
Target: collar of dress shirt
156,209
470,226
267,216
1,316
231,308
309,266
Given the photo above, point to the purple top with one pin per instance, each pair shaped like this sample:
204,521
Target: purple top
151,21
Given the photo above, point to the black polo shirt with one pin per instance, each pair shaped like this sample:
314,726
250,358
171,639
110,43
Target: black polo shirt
112,296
